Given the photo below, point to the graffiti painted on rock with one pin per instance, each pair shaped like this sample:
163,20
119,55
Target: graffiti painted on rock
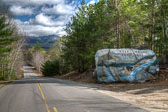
131,65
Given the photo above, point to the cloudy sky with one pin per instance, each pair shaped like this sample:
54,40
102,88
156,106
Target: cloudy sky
43,17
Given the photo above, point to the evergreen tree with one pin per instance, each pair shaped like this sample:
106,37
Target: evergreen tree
115,24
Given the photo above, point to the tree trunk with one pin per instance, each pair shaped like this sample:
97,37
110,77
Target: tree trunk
117,24
16,56
153,25
164,31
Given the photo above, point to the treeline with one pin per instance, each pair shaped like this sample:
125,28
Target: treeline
11,41
35,56
139,24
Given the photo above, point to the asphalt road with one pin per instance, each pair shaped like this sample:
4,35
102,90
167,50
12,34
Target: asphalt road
41,94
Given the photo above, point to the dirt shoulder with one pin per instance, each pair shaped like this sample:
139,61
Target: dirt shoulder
152,96
3,83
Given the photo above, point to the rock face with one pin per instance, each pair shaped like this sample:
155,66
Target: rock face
127,65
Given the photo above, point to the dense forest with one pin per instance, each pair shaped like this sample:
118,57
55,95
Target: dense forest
141,24
11,41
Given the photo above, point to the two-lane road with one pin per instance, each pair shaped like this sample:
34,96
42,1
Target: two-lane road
41,94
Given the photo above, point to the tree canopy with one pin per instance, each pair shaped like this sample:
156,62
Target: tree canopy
10,44
115,24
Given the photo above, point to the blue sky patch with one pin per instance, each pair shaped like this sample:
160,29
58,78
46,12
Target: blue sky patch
43,17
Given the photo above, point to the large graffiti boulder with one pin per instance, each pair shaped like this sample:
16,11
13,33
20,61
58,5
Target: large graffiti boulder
125,65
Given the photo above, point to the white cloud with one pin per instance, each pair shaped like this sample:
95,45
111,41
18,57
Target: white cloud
59,9
33,2
18,10
92,2
45,20
37,30
61,33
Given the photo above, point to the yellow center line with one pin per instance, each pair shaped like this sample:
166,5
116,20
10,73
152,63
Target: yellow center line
55,109
43,97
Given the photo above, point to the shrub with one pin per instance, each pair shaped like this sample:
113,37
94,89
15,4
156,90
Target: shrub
50,68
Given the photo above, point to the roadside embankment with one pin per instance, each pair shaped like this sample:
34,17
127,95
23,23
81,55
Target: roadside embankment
152,95
17,77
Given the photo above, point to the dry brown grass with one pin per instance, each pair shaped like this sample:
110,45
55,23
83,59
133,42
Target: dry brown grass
5,82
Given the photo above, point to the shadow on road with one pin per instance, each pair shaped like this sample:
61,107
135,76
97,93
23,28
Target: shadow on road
139,88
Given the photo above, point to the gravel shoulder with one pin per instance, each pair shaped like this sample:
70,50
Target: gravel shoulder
151,96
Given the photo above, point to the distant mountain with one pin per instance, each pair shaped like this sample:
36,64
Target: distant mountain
45,41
